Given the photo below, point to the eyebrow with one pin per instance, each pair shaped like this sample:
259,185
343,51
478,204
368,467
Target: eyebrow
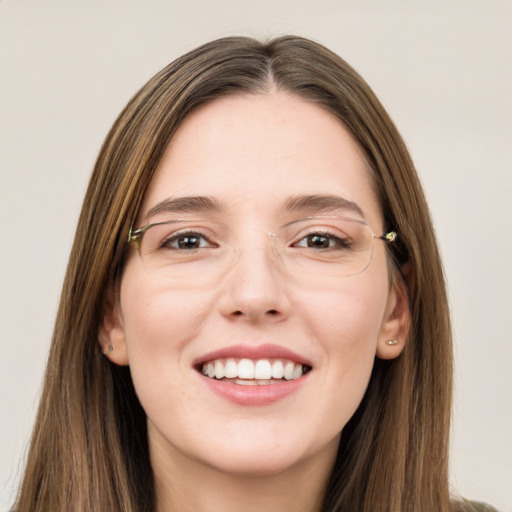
305,204
324,203
192,204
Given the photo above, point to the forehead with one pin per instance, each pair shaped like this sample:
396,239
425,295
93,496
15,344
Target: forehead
255,152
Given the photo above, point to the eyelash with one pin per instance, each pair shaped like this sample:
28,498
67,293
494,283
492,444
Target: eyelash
167,242
339,242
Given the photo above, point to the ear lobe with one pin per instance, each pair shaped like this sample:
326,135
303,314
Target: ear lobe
111,335
396,324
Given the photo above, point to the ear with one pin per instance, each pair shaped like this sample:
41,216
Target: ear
396,323
111,334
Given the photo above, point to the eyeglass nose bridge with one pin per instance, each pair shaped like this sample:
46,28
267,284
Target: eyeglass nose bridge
271,247
266,253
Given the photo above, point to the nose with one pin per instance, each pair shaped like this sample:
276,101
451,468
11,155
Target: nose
255,289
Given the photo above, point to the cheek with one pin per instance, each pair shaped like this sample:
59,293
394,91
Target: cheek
160,320
345,324
158,336
159,324
346,316
157,314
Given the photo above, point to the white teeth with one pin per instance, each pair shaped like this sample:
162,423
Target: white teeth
246,369
277,369
231,370
261,371
297,371
289,367
247,382
219,369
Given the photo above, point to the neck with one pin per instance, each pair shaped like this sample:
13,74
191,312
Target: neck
186,485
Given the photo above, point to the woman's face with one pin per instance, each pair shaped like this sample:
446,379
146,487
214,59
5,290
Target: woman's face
246,285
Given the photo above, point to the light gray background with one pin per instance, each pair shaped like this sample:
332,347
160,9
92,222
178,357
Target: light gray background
442,68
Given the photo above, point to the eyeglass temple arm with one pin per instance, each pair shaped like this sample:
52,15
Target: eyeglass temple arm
390,236
135,235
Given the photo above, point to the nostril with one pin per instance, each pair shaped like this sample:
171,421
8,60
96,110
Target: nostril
270,312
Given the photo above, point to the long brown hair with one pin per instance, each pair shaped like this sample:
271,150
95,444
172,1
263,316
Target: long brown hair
89,448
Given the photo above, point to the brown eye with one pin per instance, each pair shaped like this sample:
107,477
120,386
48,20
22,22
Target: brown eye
187,241
318,241
322,241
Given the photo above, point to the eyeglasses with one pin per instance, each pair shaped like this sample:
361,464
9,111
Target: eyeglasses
202,250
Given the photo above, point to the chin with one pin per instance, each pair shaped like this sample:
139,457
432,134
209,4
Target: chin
263,455
257,463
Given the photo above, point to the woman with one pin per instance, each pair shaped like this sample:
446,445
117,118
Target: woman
254,313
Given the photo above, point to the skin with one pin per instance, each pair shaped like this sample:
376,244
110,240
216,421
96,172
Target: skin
253,153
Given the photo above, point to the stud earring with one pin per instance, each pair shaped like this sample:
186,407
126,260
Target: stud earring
392,342
109,349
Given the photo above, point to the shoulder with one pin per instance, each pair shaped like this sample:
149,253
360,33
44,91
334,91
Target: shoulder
472,506
483,507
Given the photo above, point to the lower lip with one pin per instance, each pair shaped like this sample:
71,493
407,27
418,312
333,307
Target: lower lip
254,395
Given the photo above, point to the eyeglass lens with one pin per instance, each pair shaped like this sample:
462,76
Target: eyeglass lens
308,250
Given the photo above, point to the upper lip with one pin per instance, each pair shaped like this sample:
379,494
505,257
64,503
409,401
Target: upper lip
266,351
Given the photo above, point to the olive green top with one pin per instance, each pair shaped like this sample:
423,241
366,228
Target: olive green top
473,506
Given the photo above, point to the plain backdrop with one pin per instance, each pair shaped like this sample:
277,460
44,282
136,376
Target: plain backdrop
443,69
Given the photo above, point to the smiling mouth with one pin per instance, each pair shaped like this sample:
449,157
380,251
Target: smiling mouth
253,372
